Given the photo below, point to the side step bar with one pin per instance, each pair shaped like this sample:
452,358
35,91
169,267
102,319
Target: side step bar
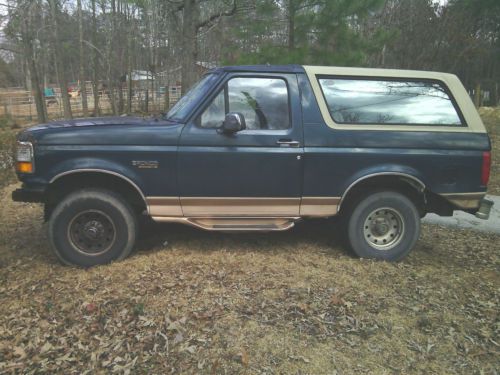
237,224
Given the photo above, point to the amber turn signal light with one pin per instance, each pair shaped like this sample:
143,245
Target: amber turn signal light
24,167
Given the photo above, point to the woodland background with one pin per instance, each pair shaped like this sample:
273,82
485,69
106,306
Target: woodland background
190,301
172,42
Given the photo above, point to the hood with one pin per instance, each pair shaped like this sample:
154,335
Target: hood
98,121
122,130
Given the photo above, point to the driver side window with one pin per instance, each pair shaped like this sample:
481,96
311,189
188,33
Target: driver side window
262,101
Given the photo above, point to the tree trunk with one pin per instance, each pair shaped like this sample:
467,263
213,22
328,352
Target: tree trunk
291,25
129,74
61,76
83,86
27,40
27,75
190,25
109,57
382,56
189,31
41,110
95,62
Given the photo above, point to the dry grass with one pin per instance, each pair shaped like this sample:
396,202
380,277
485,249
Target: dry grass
292,303
491,119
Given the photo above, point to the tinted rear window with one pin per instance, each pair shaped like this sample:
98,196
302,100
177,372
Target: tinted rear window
398,102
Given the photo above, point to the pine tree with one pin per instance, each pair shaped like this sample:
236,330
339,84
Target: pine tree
305,32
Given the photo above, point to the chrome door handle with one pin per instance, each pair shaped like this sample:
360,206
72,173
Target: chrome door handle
288,142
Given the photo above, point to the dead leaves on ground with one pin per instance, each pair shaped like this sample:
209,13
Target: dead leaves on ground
215,304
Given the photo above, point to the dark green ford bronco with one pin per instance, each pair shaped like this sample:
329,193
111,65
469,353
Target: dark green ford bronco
260,148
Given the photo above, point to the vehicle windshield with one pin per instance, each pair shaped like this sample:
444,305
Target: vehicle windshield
186,104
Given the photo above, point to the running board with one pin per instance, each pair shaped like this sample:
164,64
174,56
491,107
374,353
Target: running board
237,224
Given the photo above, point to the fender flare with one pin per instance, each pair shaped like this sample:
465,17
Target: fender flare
421,186
104,171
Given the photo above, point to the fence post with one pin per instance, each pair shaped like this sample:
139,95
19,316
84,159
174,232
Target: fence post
495,95
167,98
477,95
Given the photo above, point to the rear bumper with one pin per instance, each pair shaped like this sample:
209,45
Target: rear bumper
484,209
28,195
465,201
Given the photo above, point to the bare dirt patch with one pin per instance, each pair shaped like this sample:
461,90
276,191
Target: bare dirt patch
196,302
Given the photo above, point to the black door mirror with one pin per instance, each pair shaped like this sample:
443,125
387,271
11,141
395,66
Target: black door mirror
233,123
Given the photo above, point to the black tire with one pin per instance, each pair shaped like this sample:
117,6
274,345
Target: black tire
383,225
92,226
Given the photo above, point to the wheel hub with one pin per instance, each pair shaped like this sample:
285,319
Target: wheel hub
93,229
92,232
383,228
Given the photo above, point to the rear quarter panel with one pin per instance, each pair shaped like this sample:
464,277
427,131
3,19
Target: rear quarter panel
445,161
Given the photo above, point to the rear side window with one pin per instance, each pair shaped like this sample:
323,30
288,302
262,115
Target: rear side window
398,102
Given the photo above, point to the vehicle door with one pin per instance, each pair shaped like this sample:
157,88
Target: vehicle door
254,172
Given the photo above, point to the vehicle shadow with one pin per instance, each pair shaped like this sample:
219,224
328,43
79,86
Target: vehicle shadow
315,233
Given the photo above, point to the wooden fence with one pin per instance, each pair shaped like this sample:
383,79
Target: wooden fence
18,103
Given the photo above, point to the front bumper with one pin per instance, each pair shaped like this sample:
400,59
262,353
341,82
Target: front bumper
28,195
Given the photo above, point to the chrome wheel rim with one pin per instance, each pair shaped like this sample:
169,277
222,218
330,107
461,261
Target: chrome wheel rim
384,228
92,232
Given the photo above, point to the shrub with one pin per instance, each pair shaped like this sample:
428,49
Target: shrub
7,148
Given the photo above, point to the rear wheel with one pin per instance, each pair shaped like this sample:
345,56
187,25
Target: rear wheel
383,225
92,226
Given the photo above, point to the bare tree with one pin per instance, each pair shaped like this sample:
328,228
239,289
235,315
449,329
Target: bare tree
95,61
58,63
167,38
27,38
191,26
83,85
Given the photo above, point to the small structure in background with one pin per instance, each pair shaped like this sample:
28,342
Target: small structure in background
49,95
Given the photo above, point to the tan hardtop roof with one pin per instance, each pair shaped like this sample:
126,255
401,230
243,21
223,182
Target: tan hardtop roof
462,98
377,72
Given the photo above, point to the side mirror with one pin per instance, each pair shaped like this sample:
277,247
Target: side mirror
233,123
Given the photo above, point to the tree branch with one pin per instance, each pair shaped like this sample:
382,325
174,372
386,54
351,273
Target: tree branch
215,17
9,49
178,5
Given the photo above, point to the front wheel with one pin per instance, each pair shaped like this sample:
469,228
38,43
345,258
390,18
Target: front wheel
383,225
91,227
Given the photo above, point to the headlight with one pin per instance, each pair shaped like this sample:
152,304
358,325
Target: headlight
25,157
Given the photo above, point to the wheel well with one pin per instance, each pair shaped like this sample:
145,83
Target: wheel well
64,185
407,186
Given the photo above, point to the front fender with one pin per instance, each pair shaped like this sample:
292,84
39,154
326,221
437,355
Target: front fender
88,164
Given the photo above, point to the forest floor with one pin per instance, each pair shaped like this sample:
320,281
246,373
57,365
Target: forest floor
296,302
